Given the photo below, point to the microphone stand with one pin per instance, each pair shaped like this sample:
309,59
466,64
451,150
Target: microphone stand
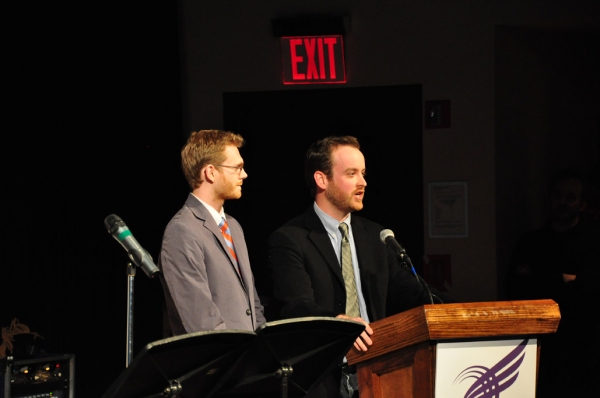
406,261
117,228
129,346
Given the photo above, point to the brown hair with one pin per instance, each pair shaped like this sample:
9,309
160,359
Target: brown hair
318,158
205,147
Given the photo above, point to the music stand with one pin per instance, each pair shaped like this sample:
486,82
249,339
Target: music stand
190,365
289,357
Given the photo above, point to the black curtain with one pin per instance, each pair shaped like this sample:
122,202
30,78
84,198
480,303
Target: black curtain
92,128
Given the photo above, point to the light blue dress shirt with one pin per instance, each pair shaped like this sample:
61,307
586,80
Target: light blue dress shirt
335,235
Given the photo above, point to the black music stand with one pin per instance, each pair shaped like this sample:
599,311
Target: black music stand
289,357
190,365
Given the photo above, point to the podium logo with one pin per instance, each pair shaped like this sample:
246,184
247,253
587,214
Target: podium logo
490,382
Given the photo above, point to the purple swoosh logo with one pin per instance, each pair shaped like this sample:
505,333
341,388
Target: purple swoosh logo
489,383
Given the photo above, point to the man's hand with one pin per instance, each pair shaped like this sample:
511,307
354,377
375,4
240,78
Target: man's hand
363,341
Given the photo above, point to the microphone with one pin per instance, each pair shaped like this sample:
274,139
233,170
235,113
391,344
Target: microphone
387,237
117,228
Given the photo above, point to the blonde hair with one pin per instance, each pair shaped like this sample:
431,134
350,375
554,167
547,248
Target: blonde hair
205,147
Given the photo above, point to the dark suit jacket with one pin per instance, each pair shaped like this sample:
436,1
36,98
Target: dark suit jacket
307,277
203,290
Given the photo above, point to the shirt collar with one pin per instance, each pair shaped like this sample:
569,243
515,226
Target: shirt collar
217,216
331,224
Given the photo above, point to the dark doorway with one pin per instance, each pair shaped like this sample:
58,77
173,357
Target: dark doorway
280,125
547,83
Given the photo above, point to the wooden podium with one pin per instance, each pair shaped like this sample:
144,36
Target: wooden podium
402,360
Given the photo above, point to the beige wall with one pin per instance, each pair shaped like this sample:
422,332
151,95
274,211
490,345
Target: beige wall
446,46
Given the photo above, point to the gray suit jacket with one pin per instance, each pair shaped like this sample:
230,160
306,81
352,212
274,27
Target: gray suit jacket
203,290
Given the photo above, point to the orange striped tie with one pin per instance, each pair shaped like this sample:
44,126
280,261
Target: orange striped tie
227,235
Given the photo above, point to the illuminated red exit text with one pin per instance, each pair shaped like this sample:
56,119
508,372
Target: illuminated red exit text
313,60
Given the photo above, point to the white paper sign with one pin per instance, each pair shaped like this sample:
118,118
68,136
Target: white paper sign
486,369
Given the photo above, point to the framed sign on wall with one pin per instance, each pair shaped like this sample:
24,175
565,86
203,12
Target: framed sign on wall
448,209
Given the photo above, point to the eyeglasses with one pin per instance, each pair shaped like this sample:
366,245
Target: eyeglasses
238,169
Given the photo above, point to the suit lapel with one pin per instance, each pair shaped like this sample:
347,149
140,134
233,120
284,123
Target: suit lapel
360,238
321,240
241,253
365,256
208,222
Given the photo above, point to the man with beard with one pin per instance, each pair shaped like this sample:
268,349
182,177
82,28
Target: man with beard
561,261
206,275
307,262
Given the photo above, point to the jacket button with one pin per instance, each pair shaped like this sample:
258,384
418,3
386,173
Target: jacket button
248,312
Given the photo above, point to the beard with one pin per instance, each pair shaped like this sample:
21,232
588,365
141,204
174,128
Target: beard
342,200
228,190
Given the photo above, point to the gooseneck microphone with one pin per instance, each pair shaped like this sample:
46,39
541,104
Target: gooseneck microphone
387,237
117,228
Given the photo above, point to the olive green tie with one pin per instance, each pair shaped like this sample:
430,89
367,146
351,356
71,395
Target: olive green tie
352,308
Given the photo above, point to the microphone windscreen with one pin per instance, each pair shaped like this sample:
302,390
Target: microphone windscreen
110,221
384,234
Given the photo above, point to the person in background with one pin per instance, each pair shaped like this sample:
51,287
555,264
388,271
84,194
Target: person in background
561,261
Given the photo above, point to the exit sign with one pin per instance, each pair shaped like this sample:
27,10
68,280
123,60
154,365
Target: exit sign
313,59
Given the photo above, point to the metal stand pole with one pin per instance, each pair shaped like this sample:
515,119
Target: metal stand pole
130,278
283,373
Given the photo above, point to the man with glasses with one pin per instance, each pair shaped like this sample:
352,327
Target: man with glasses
331,262
206,275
